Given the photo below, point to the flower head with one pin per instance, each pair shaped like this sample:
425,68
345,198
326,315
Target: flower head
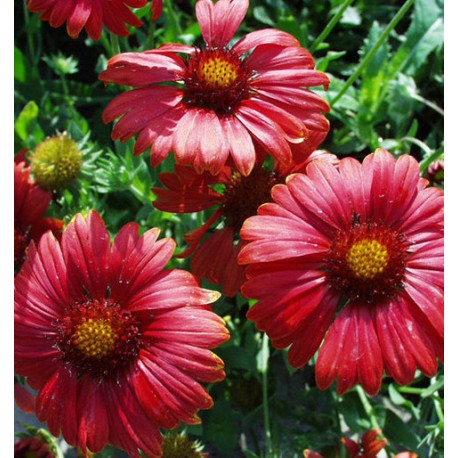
56,161
89,14
224,102
370,445
179,446
36,443
114,344
350,259
235,198
30,204
435,172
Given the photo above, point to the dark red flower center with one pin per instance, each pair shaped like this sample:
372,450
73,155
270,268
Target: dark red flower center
99,337
243,195
217,79
367,262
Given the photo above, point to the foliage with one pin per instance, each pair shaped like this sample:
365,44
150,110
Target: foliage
394,102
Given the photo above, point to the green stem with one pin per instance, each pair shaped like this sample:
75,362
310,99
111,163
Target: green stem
330,25
427,161
265,395
367,407
173,19
369,411
67,97
437,404
115,48
399,15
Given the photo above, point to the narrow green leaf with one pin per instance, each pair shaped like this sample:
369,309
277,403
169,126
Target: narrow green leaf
19,65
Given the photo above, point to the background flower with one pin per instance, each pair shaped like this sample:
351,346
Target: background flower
30,204
236,197
365,242
225,101
89,14
114,344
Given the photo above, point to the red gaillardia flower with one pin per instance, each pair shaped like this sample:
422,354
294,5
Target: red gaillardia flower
114,344
352,255
30,204
236,197
90,14
370,445
220,102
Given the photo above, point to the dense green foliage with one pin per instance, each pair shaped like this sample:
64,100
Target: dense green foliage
386,70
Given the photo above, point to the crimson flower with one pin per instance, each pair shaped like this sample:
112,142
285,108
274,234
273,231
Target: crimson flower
370,445
220,103
156,9
30,204
114,344
351,259
91,15
234,197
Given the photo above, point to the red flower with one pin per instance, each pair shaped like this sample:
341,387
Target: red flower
368,448
215,258
352,255
30,204
89,14
224,101
114,344
156,9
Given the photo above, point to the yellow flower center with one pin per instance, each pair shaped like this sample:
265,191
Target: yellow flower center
56,162
95,338
217,72
367,258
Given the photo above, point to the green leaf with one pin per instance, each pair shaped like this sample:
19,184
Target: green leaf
433,388
399,400
424,35
260,13
236,358
19,65
220,428
398,432
26,126
373,76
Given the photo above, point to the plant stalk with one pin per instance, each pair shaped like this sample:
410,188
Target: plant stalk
265,393
399,15
330,25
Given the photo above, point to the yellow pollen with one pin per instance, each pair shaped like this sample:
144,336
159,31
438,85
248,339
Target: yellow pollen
367,258
218,72
95,338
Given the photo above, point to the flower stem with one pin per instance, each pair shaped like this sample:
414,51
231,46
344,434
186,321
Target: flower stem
265,395
399,15
369,411
173,20
115,48
330,25
437,404
367,407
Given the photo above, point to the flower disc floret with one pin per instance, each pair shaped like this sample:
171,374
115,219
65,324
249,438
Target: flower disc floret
99,337
217,79
56,162
243,195
367,262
